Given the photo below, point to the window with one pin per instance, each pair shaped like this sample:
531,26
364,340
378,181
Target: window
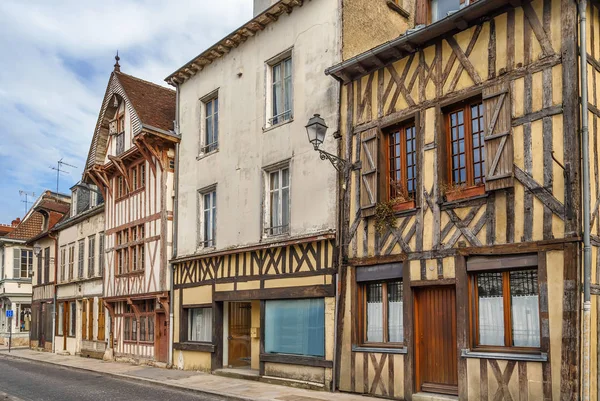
63,261
466,151
61,319
209,218
382,313
72,318
120,142
199,324
129,253
281,91
142,330
23,263
91,255
507,309
101,254
278,201
295,327
46,265
441,8
121,188
81,258
402,163
71,261
211,125
136,174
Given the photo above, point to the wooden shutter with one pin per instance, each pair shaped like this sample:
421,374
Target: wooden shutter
100,320
90,320
498,137
421,12
84,319
369,161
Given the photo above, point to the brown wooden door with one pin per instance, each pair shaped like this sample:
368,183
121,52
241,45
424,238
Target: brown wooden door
239,333
162,337
435,339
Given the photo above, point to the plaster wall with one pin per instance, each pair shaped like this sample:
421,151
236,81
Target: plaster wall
312,34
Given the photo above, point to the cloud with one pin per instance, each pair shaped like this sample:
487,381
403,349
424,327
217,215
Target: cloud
56,60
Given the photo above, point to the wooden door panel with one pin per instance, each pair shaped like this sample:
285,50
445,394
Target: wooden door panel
435,337
161,334
239,333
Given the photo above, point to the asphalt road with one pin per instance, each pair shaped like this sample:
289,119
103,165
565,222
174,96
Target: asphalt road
29,380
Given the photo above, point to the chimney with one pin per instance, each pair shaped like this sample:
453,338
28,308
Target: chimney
261,5
16,222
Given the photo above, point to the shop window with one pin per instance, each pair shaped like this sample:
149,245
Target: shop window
505,306
295,327
72,318
199,321
61,319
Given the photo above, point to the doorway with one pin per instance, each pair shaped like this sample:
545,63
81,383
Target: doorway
436,359
240,314
162,337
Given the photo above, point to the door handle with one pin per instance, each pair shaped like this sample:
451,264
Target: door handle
229,337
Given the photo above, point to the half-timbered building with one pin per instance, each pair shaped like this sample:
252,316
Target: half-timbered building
462,217
80,327
21,250
131,160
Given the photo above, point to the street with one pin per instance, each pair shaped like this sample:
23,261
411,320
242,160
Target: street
26,380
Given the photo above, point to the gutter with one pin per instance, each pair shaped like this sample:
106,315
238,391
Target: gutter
587,249
175,200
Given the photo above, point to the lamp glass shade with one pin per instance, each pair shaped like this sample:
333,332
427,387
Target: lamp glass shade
316,130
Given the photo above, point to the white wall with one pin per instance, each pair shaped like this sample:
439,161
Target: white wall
312,32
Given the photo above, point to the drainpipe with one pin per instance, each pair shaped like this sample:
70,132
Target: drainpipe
587,256
171,266
55,238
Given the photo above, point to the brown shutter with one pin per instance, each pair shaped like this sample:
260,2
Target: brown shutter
100,320
84,320
369,161
421,11
498,137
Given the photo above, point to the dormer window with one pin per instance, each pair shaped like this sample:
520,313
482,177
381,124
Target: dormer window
74,203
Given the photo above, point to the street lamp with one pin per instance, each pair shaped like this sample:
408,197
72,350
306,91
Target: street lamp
37,249
316,130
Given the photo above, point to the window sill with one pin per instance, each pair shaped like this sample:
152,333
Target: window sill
383,350
205,155
134,273
303,360
205,249
507,356
464,193
276,236
272,127
194,346
394,6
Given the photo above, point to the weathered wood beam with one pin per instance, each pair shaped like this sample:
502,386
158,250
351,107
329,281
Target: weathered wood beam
231,43
378,62
272,17
190,71
223,49
141,145
360,68
257,25
545,196
122,169
286,8
246,31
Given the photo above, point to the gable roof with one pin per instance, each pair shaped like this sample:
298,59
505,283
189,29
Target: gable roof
150,105
32,224
233,40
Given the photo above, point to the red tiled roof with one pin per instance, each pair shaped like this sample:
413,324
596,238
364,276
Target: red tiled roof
28,228
5,229
53,206
154,104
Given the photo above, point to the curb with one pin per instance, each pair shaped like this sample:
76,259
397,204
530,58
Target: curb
135,379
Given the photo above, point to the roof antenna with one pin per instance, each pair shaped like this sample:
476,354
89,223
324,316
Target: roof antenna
117,66
26,201
59,170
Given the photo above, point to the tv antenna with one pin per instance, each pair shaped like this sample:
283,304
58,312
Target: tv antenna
26,201
60,170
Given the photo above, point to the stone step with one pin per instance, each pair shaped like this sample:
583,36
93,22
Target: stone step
433,397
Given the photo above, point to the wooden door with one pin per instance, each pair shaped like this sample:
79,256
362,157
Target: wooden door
239,333
162,337
435,340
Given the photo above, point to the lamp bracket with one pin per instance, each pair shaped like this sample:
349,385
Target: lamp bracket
337,162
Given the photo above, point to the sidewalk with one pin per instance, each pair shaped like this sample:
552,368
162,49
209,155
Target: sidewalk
235,389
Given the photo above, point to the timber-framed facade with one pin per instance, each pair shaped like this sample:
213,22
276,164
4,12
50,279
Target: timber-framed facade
489,238
131,160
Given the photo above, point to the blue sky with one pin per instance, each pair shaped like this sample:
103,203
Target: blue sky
55,61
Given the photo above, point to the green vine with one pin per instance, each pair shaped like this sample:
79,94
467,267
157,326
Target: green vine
385,217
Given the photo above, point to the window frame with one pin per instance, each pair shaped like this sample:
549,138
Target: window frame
72,319
288,115
408,199
210,100
80,258
91,268
186,323
361,332
130,250
210,191
469,188
507,312
25,264
269,227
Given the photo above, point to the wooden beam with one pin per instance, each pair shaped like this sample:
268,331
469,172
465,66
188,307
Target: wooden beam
141,145
104,179
247,31
360,68
122,169
296,360
311,291
102,188
378,62
286,8
257,25
223,49
155,152
272,17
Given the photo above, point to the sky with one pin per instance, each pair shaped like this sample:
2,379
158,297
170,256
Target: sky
55,60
